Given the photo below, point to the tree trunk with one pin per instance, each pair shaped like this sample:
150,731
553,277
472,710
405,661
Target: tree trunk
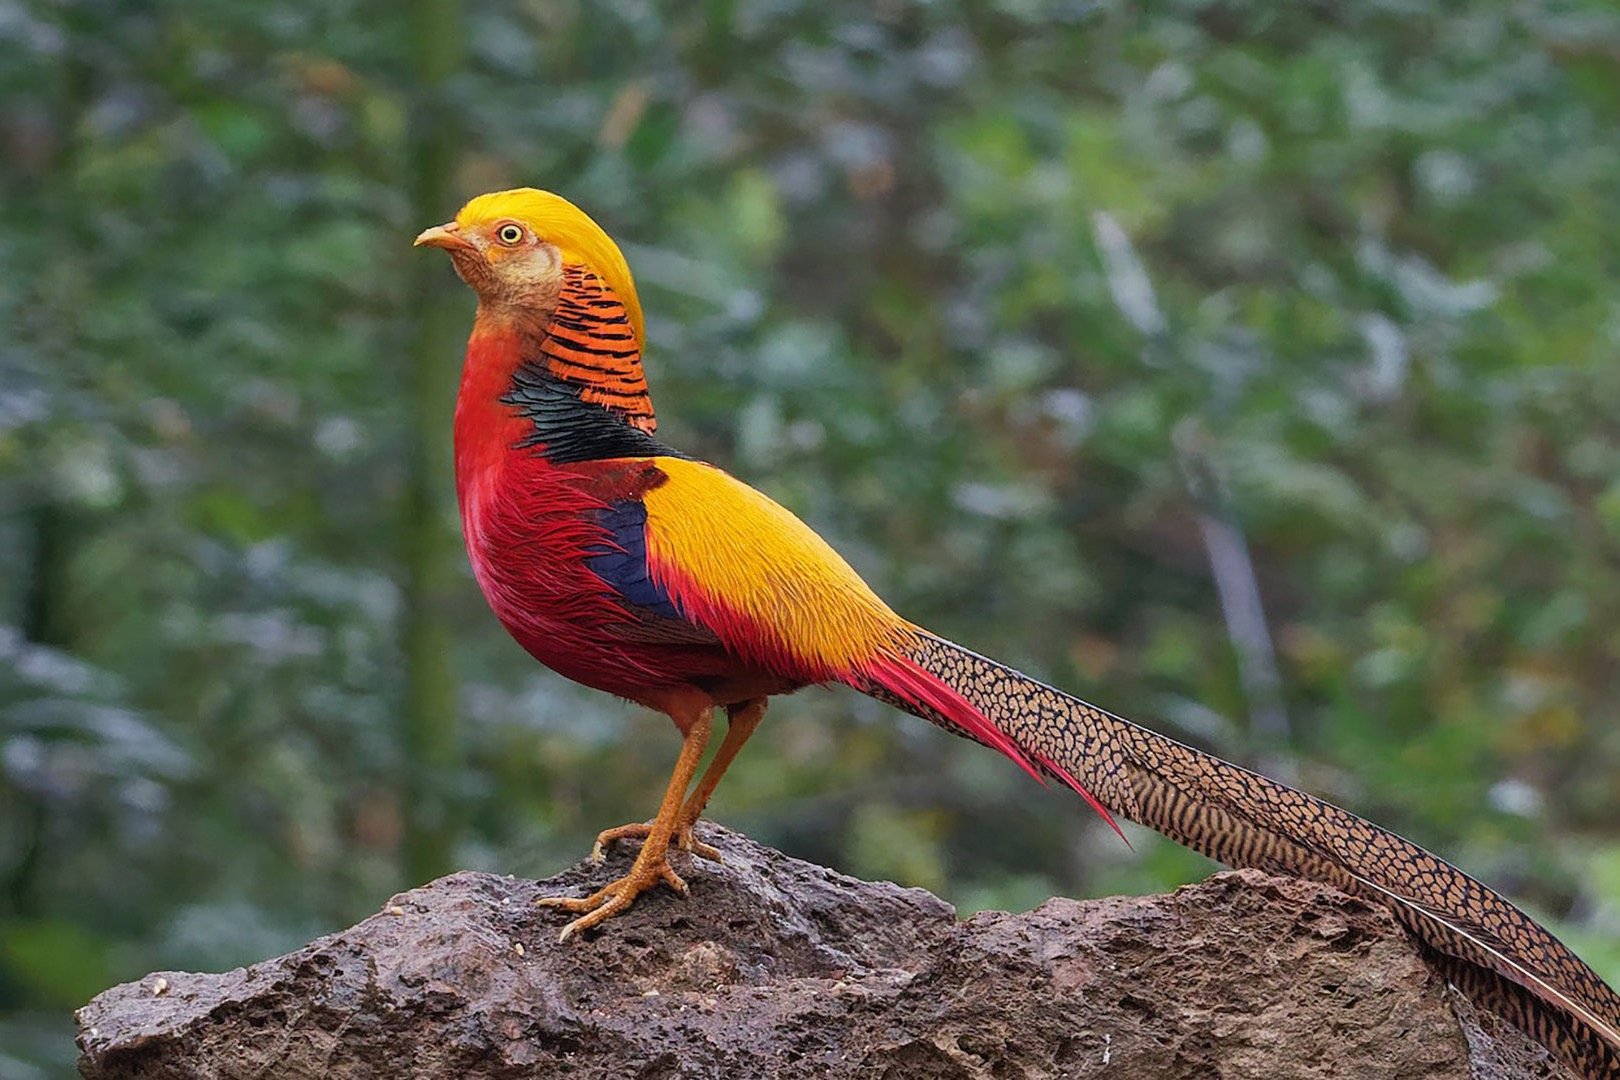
429,732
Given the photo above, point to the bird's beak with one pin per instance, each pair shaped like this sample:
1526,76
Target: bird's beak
447,236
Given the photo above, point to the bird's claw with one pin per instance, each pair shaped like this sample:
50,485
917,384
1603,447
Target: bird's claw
684,839
614,897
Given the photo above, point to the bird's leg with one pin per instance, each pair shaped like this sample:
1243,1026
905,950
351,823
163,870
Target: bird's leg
652,864
741,720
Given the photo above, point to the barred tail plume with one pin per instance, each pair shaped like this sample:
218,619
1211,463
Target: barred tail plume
1504,960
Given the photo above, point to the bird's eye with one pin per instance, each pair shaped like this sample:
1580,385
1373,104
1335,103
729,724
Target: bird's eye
509,234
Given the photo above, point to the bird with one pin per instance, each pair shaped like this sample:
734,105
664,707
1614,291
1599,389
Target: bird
628,566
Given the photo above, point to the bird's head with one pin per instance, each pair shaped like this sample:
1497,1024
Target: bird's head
512,248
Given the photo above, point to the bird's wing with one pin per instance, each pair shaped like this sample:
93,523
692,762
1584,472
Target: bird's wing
699,545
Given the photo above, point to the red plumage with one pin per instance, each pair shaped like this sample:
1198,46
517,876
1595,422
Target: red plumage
530,527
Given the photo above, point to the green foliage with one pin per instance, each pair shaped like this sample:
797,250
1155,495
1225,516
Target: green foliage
1040,312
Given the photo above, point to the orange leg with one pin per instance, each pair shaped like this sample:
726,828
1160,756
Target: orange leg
652,865
741,720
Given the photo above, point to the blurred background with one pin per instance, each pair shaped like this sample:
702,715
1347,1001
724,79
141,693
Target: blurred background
1247,369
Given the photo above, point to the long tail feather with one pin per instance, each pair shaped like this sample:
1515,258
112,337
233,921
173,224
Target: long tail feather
1503,959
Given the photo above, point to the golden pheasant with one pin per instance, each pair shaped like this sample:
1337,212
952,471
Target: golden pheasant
627,566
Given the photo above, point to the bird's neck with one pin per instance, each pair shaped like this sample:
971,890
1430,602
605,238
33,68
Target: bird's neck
586,340
562,380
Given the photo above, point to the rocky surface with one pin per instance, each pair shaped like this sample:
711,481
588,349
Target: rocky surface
779,968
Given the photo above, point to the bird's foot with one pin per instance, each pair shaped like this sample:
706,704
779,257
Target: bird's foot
640,830
616,896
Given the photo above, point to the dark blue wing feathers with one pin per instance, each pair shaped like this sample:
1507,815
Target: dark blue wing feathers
622,562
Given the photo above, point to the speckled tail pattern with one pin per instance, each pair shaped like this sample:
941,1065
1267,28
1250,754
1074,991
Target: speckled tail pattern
1505,961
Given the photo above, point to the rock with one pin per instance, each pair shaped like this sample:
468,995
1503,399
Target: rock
779,968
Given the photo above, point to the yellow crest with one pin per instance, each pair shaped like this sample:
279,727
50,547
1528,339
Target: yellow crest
557,221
